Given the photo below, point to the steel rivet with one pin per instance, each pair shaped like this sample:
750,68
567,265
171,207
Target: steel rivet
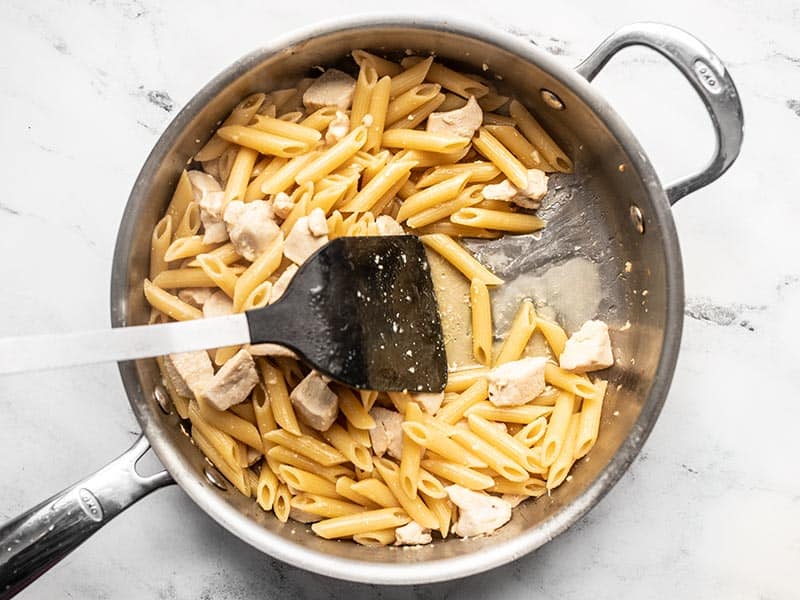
215,478
551,99
637,219
162,398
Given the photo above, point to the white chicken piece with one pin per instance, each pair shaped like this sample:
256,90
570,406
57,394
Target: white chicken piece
517,382
315,403
282,205
218,305
478,513
463,122
412,534
251,227
387,435
332,88
387,225
588,349
209,196
190,372
233,382
195,296
338,128
280,285
430,402
530,197
307,236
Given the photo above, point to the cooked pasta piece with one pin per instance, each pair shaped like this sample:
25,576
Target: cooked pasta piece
481,310
360,523
540,138
462,260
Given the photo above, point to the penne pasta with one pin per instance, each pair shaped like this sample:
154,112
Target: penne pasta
477,392
410,77
278,395
334,157
522,328
168,304
509,414
481,313
378,105
519,146
496,219
307,446
537,136
462,260
360,523
589,422
432,196
424,141
501,157
159,242
240,115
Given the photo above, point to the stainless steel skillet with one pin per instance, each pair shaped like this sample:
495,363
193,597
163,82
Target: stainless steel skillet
612,211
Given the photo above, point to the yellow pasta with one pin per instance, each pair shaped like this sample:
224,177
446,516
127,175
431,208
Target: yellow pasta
376,492
233,425
281,455
180,198
557,427
225,253
406,103
357,454
501,157
462,260
477,392
468,197
532,432
456,82
458,381
284,177
261,141
190,222
571,382
442,510
236,186
293,131
419,114
240,115
411,455
234,474
381,65
458,474
432,159
432,196
257,272
540,138
424,141
413,505
497,460
519,146
334,157
365,84
382,537
222,276
280,404
407,79
225,445
307,446
187,247
533,487
360,523
430,435
496,219
508,445
477,171
283,503
566,457
267,487
325,507
481,312
378,105
159,242
523,414
168,304
354,411
306,481
259,297
522,328
344,487
378,186
556,337
589,421
429,486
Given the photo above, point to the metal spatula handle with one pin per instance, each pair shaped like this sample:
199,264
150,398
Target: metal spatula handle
19,354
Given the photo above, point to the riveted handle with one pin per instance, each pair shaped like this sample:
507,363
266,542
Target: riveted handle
708,76
36,540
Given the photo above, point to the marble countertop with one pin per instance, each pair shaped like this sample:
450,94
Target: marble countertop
711,507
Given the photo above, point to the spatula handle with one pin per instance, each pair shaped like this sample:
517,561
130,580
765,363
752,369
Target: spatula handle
20,354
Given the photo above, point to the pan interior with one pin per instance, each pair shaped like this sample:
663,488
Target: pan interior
589,261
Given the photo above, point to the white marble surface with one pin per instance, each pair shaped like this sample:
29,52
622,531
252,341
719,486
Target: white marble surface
710,509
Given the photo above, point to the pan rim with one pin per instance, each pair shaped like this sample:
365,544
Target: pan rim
448,568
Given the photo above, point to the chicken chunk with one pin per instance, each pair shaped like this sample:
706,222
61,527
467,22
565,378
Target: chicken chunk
209,196
412,534
195,296
332,88
282,205
517,382
530,197
306,237
478,513
218,305
280,285
192,371
315,403
233,382
338,128
463,122
588,349
388,226
387,435
251,227
430,402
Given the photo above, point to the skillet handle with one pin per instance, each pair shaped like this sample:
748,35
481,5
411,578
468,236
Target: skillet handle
36,540
708,77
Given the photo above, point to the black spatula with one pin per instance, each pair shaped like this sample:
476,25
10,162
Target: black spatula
361,310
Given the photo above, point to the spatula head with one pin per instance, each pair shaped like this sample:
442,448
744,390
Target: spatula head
362,310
